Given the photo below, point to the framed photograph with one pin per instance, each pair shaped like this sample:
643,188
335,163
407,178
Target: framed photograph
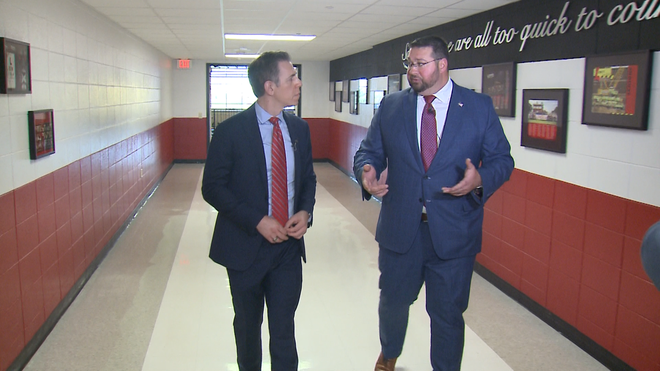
41,132
353,103
378,96
393,83
345,87
338,101
499,82
15,75
617,90
545,119
332,91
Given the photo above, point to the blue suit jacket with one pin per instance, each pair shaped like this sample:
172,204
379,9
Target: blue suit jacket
235,183
472,130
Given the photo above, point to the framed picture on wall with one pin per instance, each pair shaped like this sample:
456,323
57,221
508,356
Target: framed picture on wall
345,89
363,89
353,103
332,91
338,101
544,119
617,90
41,132
499,82
393,83
15,74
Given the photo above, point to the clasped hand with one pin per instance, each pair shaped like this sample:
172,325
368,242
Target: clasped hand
274,232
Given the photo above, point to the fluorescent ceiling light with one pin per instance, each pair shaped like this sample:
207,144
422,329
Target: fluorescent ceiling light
252,56
270,37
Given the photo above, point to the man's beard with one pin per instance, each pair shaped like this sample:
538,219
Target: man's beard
419,85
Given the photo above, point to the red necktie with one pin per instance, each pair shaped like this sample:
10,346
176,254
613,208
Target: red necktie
429,133
279,196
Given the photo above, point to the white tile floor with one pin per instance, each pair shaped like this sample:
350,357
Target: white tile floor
157,303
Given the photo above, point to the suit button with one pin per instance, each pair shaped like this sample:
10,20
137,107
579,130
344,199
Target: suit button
420,200
427,177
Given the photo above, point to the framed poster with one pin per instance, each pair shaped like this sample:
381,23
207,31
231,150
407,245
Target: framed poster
15,75
544,119
353,103
393,83
499,82
338,101
617,90
332,91
41,132
345,87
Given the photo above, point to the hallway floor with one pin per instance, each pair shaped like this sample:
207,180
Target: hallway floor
158,303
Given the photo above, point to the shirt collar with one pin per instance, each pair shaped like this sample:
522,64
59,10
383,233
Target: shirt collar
263,116
444,94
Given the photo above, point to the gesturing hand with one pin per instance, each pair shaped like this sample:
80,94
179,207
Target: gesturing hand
272,230
376,187
470,181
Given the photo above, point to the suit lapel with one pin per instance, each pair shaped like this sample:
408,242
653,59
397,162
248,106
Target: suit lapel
452,123
410,112
254,144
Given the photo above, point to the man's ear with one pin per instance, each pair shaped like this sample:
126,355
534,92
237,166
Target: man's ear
269,87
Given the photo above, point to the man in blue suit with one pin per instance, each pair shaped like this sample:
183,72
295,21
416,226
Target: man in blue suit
445,153
264,209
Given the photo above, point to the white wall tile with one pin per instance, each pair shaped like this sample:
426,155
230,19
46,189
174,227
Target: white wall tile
7,171
70,96
609,176
70,69
5,138
55,38
39,64
70,42
18,131
57,96
38,32
55,67
4,105
83,96
40,95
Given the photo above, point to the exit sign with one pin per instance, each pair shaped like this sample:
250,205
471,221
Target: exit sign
183,63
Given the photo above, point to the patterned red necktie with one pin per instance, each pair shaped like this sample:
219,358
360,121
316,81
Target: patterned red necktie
280,199
429,133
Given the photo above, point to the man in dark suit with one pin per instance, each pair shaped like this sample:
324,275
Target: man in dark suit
445,153
259,176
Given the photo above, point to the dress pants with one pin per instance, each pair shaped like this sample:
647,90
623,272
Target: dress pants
447,294
276,278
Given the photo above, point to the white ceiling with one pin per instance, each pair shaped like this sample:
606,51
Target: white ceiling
194,29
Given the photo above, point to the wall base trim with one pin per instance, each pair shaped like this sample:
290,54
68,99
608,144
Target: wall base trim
40,336
585,343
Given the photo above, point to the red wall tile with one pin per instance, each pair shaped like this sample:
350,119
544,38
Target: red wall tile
566,259
11,340
319,132
190,138
10,288
61,182
640,296
568,230
603,244
639,217
535,272
540,189
632,261
537,245
606,210
638,333
25,199
9,251
27,236
7,212
492,223
596,333
636,359
517,184
570,199
602,277
538,217
513,207
45,191
563,296
513,233
598,310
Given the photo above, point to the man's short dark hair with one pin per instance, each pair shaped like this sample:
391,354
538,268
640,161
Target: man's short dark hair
266,68
438,45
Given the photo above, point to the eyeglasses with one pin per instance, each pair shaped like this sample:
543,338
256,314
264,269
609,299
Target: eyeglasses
417,65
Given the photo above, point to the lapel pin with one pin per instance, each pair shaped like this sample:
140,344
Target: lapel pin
460,104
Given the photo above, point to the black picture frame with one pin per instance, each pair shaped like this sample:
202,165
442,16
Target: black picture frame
338,101
353,103
345,87
617,90
15,71
499,82
41,132
393,83
545,119
332,91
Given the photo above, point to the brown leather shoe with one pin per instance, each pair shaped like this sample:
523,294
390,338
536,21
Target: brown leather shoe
383,364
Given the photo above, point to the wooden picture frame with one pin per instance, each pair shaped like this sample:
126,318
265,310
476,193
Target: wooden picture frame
41,132
15,72
338,101
499,82
332,91
545,119
617,90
